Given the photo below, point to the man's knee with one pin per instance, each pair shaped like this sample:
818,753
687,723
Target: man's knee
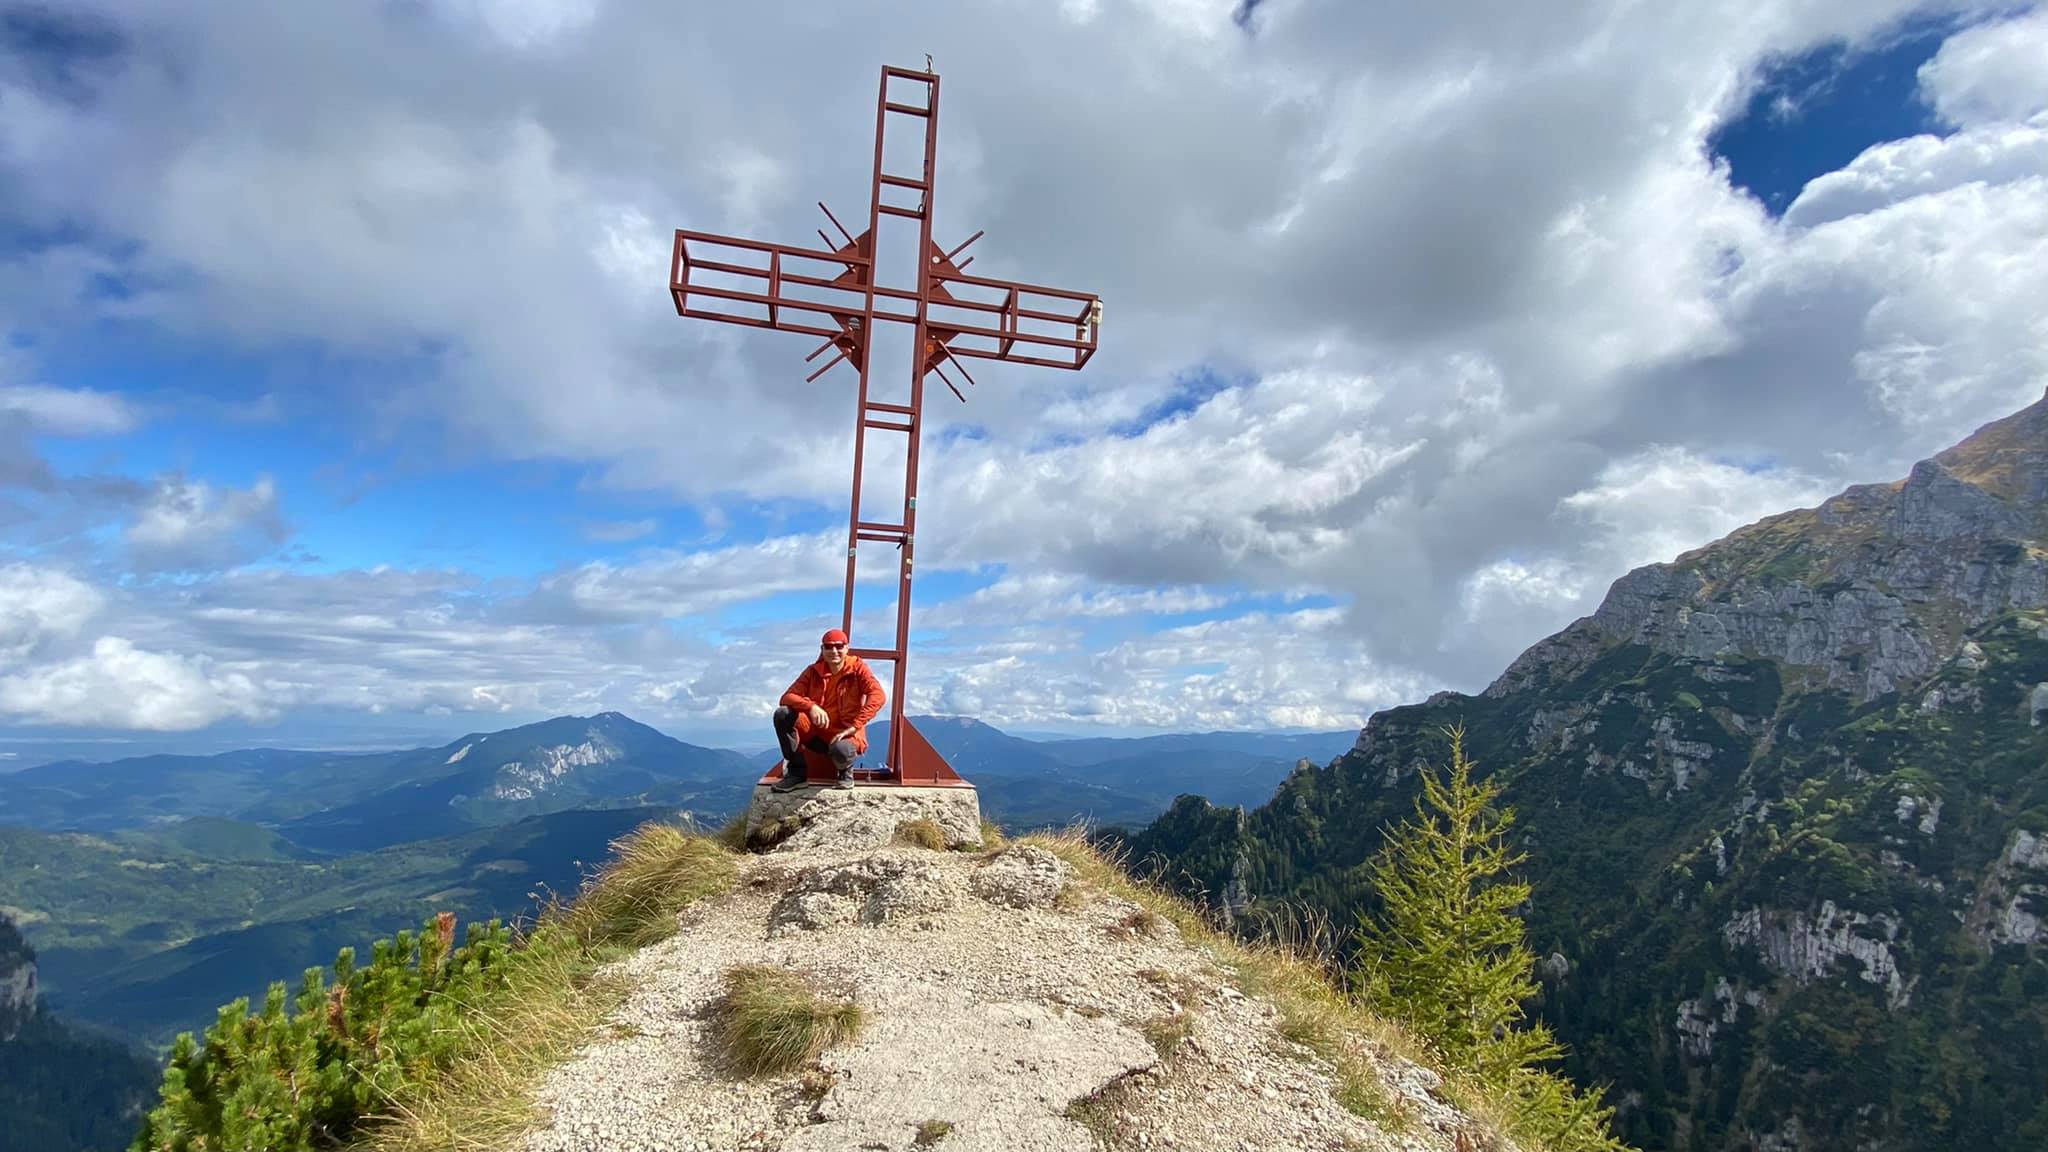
843,752
785,716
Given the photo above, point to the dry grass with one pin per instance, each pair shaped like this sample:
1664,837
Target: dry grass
556,1000
770,1021
1141,922
931,1132
1070,898
1288,967
923,832
1167,1033
654,873
1099,1112
992,838
733,836
1179,987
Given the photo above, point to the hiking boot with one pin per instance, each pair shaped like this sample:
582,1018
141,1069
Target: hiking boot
792,779
844,782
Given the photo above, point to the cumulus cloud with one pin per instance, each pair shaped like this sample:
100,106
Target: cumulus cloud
38,604
120,686
1439,312
1992,72
1666,500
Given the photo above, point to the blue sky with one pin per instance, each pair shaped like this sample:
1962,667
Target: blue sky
1815,111
350,402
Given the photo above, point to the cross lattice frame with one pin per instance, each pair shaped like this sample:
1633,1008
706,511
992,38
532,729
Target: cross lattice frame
832,293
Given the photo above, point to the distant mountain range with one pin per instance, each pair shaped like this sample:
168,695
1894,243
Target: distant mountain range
156,888
351,803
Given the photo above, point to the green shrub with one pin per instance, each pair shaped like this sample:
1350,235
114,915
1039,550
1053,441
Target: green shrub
384,1053
302,1076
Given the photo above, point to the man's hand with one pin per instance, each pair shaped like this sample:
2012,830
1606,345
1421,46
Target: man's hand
819,717
840,735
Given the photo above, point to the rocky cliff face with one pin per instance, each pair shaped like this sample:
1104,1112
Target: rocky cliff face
1786,802
17,981
1870,591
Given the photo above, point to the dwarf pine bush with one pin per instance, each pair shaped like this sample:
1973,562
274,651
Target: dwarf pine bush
303,1075
385,1055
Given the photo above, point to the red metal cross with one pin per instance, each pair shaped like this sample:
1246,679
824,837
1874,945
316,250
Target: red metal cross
832,293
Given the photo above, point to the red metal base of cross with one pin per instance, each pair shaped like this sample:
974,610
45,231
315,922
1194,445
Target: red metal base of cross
832,293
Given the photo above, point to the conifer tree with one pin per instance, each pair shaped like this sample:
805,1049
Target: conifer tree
1445,954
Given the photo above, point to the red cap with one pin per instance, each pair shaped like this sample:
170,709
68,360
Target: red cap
835,636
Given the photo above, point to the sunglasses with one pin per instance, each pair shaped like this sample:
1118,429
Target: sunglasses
833,646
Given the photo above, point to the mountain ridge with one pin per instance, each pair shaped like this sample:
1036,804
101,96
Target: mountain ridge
1782,798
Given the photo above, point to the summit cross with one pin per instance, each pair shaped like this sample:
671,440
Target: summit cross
834,293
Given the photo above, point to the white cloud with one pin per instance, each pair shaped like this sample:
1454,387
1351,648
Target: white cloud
68,412
666,584
1901,170
526,23
1992,72
1666,500
1256,670
38,604
192,524
1051,596
1490,320
120,686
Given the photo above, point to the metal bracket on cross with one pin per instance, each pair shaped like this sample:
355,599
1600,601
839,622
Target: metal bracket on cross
832,293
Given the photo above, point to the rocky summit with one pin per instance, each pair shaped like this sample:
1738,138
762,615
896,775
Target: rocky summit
1010,1005
1784,799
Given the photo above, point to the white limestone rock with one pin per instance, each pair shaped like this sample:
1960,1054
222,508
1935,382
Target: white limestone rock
1023,877
1919,812
519,780
1809,948
877,889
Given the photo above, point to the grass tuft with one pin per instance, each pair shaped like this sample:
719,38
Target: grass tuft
923,832
1167,1033
556,999
733,837
1098,1112
1069,898
770,1021
655,872
931,1132
1141,921
992,838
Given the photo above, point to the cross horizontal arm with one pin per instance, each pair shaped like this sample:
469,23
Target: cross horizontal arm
736,269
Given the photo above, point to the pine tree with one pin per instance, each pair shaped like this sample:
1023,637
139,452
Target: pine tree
1446,956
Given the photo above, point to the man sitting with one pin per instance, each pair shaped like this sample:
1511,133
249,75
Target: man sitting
826,713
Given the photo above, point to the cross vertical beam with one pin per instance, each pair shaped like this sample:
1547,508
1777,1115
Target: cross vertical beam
952,316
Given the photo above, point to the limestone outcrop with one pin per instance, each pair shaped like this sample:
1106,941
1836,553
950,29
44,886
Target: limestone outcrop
1874,589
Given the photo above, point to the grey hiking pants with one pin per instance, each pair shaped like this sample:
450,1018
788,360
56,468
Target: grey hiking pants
840,752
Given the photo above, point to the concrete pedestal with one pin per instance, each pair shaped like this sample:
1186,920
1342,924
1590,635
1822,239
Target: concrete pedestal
860,818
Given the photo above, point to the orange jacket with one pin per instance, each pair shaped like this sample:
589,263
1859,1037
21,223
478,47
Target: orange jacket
850,696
